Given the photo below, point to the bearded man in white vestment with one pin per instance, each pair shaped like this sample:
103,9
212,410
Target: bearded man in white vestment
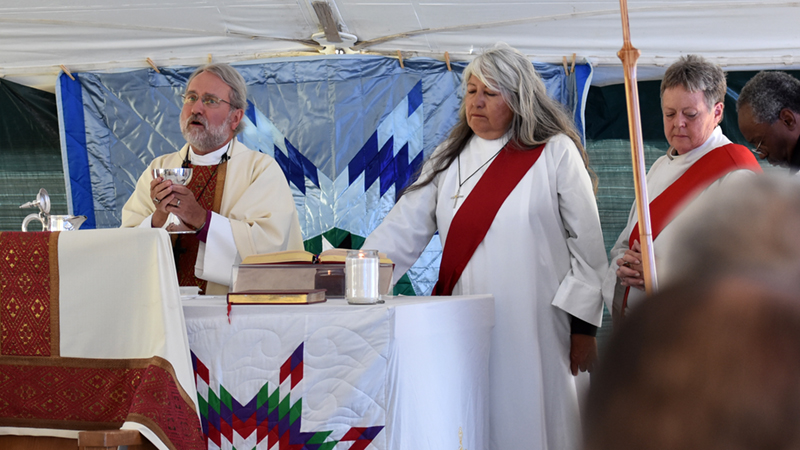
542,255
237,202
700,160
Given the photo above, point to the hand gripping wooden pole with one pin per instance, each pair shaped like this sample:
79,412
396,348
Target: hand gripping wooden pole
629,55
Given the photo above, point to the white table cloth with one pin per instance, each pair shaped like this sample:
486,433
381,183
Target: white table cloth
408,374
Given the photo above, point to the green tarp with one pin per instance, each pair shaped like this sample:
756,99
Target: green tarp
30,154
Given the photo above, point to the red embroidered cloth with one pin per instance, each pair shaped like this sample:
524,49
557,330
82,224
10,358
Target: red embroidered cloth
40,389
26,284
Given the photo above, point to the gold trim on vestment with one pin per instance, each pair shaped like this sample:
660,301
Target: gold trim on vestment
55,325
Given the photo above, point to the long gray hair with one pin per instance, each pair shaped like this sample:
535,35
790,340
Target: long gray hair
232,78
537,117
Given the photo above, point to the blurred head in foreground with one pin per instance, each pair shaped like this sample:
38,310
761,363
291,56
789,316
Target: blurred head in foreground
754,221
709,364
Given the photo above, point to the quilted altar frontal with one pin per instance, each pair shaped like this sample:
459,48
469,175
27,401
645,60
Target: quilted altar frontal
311,382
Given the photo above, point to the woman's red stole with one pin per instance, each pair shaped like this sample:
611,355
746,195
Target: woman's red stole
706,170
473,219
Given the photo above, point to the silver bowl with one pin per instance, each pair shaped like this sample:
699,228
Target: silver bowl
178,175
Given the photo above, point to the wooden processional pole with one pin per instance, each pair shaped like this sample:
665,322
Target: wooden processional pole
629,55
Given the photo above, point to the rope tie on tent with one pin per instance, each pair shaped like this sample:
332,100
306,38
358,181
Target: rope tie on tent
568,69
153,65
66,71
400,57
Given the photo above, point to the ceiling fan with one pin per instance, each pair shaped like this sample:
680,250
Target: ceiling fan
331,38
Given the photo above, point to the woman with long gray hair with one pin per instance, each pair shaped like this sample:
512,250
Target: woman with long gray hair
511,197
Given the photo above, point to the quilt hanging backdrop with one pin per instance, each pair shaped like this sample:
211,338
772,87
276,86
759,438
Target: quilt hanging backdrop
349,132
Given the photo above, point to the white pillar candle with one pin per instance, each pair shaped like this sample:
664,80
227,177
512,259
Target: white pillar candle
361,276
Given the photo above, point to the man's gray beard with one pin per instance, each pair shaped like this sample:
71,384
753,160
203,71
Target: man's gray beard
210,139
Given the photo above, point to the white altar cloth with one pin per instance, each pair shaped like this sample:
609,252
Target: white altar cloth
410,373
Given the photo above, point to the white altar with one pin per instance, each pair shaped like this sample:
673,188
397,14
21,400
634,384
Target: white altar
410,373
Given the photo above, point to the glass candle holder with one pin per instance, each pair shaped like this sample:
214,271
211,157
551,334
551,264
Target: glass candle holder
361,277
332,280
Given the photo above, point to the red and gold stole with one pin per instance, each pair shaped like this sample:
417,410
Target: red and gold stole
207,184
473,220
711,167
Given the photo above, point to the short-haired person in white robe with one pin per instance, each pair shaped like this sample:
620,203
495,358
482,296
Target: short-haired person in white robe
511,197
699,160
237,202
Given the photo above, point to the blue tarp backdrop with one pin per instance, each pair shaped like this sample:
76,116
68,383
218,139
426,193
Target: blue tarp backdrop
348,131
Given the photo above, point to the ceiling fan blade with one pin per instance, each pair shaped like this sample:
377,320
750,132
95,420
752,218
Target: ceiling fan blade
496,24
329,25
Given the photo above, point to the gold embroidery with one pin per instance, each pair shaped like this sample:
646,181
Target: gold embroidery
25,334
12,307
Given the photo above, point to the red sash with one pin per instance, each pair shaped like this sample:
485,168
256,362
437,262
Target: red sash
711,167
473,219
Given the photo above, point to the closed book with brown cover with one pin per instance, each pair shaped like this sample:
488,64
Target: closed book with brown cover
281,297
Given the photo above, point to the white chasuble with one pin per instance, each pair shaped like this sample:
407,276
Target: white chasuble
257,213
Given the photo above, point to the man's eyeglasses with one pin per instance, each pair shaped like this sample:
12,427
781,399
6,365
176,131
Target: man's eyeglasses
209,101
757,150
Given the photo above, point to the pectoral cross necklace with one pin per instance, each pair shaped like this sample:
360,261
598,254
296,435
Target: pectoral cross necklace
461,183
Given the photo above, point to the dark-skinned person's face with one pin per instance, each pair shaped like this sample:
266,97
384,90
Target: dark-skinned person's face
773,142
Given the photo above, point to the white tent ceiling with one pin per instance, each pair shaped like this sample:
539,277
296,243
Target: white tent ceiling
39,36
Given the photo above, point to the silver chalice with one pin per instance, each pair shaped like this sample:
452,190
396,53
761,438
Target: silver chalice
180,175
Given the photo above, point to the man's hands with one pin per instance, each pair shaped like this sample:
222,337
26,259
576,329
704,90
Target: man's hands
178,200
